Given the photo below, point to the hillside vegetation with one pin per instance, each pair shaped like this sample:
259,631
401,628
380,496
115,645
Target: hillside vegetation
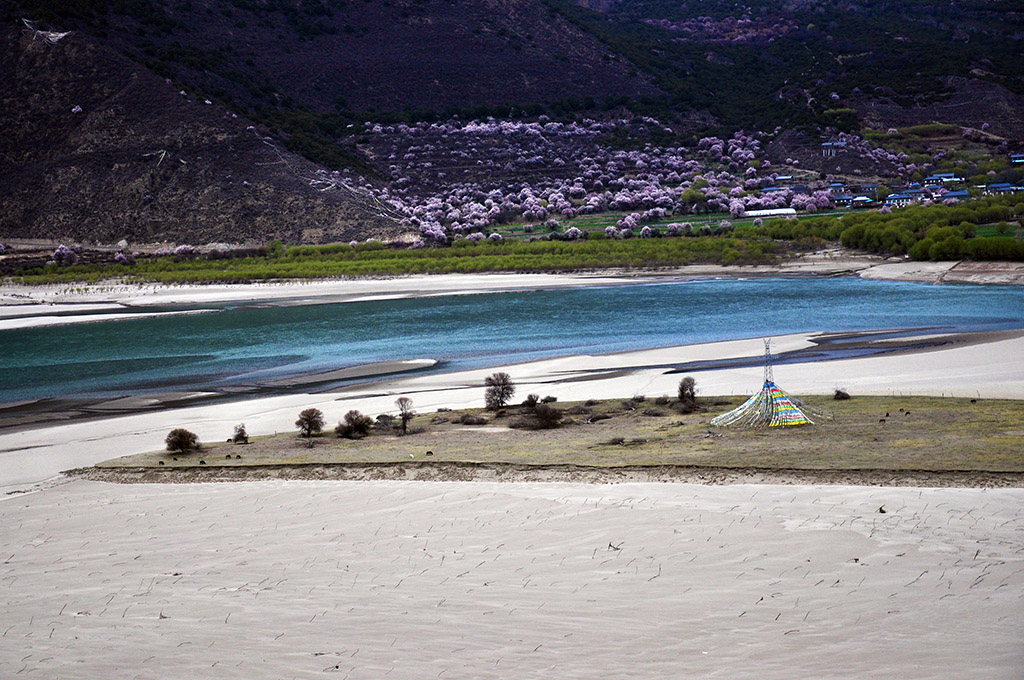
823,63
319,121
936,232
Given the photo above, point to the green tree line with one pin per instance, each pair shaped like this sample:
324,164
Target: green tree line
933,232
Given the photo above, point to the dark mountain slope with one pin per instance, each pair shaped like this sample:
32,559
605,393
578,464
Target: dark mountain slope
328,55
141,161
821,63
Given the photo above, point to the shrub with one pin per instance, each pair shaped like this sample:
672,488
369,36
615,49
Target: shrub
544,417
470,419
841,395
549,399
994,248
240,436
547,416
949,248
355,425
531,401
499,390
919,251
274,249
687,395
181,440
310,422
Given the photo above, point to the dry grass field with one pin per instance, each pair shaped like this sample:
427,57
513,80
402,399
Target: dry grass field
865,433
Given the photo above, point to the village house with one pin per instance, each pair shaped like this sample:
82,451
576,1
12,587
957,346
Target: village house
899,200
829,149
941,178
1000,188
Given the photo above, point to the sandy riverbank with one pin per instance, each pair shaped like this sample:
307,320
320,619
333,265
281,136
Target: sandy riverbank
989,368
480,580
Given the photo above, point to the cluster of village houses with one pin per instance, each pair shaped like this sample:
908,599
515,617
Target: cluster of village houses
940,186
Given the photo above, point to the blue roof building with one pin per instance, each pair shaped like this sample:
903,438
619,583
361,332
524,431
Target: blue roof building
899,200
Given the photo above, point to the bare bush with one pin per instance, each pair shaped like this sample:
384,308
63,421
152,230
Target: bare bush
385,421
543,417
547,416
687,395
355,425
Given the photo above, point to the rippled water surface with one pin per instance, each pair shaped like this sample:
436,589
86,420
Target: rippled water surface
250,345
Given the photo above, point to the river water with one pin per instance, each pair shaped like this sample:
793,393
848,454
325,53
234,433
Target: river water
238,347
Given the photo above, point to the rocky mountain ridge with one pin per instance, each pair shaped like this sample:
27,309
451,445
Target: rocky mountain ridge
96,148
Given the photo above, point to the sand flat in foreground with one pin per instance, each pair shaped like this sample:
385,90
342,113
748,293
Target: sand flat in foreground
480,580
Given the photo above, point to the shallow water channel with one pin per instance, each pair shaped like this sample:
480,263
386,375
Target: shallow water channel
233,348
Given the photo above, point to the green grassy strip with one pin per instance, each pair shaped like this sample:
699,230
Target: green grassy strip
338,260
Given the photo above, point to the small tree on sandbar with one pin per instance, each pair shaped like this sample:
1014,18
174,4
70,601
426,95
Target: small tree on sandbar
310,422
687,395
181,440
499,390
405,412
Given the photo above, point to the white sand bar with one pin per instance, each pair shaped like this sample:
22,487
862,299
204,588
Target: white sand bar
489,580
21,300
